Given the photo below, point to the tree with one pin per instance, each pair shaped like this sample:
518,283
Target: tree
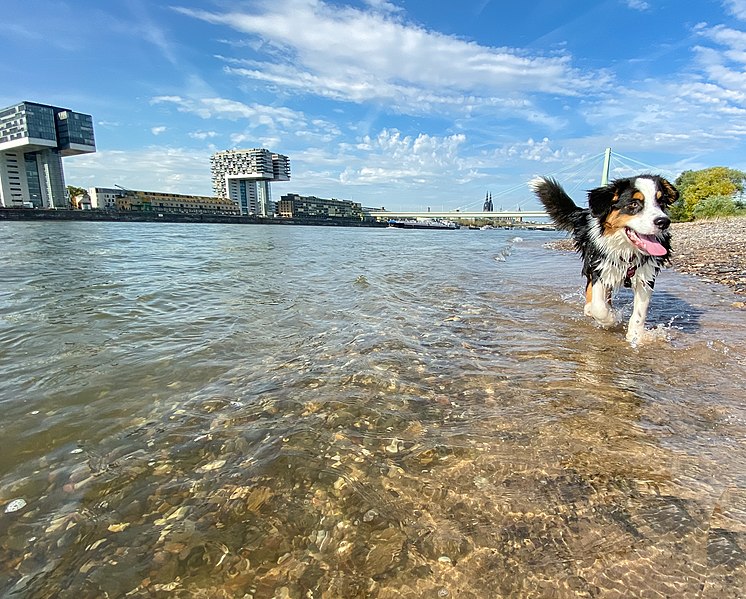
75,194
696,186
715,206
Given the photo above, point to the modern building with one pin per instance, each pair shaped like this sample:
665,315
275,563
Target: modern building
33,140
244,177
297,206
156,201
105,198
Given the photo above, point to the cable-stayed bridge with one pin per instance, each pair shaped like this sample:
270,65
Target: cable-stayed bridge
579,175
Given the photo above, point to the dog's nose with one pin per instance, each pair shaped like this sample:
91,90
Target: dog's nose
662,222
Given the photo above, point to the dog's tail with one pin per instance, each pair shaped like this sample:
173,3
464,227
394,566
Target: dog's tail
563,211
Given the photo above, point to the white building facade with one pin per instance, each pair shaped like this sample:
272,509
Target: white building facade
33,140
104,198
244,176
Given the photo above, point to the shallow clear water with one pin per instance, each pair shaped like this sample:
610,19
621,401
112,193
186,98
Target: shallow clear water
275,411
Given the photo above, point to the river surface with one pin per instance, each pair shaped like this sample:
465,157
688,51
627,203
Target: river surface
305,412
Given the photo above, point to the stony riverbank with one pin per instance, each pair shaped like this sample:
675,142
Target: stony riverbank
714,250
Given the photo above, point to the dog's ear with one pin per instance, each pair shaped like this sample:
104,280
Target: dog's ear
601,199
670,193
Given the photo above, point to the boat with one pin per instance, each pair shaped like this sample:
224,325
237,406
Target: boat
429,223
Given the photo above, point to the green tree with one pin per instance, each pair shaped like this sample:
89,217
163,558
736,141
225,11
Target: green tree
74,192
697,186
715,206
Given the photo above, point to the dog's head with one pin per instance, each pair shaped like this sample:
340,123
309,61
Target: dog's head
637,206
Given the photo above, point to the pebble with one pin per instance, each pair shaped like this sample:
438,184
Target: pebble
713,249
370,515
395,446
15,505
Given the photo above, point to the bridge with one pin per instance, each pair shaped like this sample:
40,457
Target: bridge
458,215
577,176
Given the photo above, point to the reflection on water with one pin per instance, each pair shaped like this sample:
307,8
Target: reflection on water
228,411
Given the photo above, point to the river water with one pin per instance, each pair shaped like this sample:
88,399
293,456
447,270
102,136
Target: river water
277,411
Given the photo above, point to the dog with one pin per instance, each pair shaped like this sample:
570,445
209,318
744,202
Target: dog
623,237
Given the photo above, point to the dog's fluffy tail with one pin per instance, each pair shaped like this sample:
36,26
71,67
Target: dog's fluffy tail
563,211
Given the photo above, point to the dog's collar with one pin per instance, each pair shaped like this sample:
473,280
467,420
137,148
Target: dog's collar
631,270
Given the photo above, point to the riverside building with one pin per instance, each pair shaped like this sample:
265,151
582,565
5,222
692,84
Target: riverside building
105,198
156,201
33,140
298,206
244,176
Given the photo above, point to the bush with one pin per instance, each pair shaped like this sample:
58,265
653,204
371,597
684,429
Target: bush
678,212
715,206
717,184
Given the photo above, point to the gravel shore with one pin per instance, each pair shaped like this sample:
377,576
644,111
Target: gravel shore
714,250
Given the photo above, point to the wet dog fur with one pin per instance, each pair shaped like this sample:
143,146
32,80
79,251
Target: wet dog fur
623,237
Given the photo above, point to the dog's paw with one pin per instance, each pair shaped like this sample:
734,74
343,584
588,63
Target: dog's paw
643,336
603,315
635,337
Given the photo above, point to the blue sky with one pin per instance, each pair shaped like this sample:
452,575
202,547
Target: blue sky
396,103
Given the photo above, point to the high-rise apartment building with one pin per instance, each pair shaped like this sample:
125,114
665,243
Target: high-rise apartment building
244,177
33,140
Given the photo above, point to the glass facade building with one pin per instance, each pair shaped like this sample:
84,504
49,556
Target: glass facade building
33,140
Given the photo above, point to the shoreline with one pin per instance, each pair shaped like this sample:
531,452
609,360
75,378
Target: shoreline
713,250
25,214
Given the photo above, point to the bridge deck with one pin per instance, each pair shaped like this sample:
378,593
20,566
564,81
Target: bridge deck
528,214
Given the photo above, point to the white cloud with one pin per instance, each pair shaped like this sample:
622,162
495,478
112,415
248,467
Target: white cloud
723,66
222,108
733,39
348,54
640,5
391,158
201,135
383,5
257,122
535,151
736,7
157,130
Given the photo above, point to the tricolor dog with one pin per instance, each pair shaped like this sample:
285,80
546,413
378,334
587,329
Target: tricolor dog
623,237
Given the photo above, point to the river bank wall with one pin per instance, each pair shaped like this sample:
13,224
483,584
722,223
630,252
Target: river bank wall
26,214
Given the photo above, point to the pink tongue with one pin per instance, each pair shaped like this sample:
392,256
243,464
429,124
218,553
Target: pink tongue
647,243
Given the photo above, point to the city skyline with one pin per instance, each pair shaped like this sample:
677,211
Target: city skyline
386,103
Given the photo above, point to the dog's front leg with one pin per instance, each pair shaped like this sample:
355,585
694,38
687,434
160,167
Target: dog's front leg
598,304
636,326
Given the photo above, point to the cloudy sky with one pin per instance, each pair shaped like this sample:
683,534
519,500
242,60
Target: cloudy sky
395,103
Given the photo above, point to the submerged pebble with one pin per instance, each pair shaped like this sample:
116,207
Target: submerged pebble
15,505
